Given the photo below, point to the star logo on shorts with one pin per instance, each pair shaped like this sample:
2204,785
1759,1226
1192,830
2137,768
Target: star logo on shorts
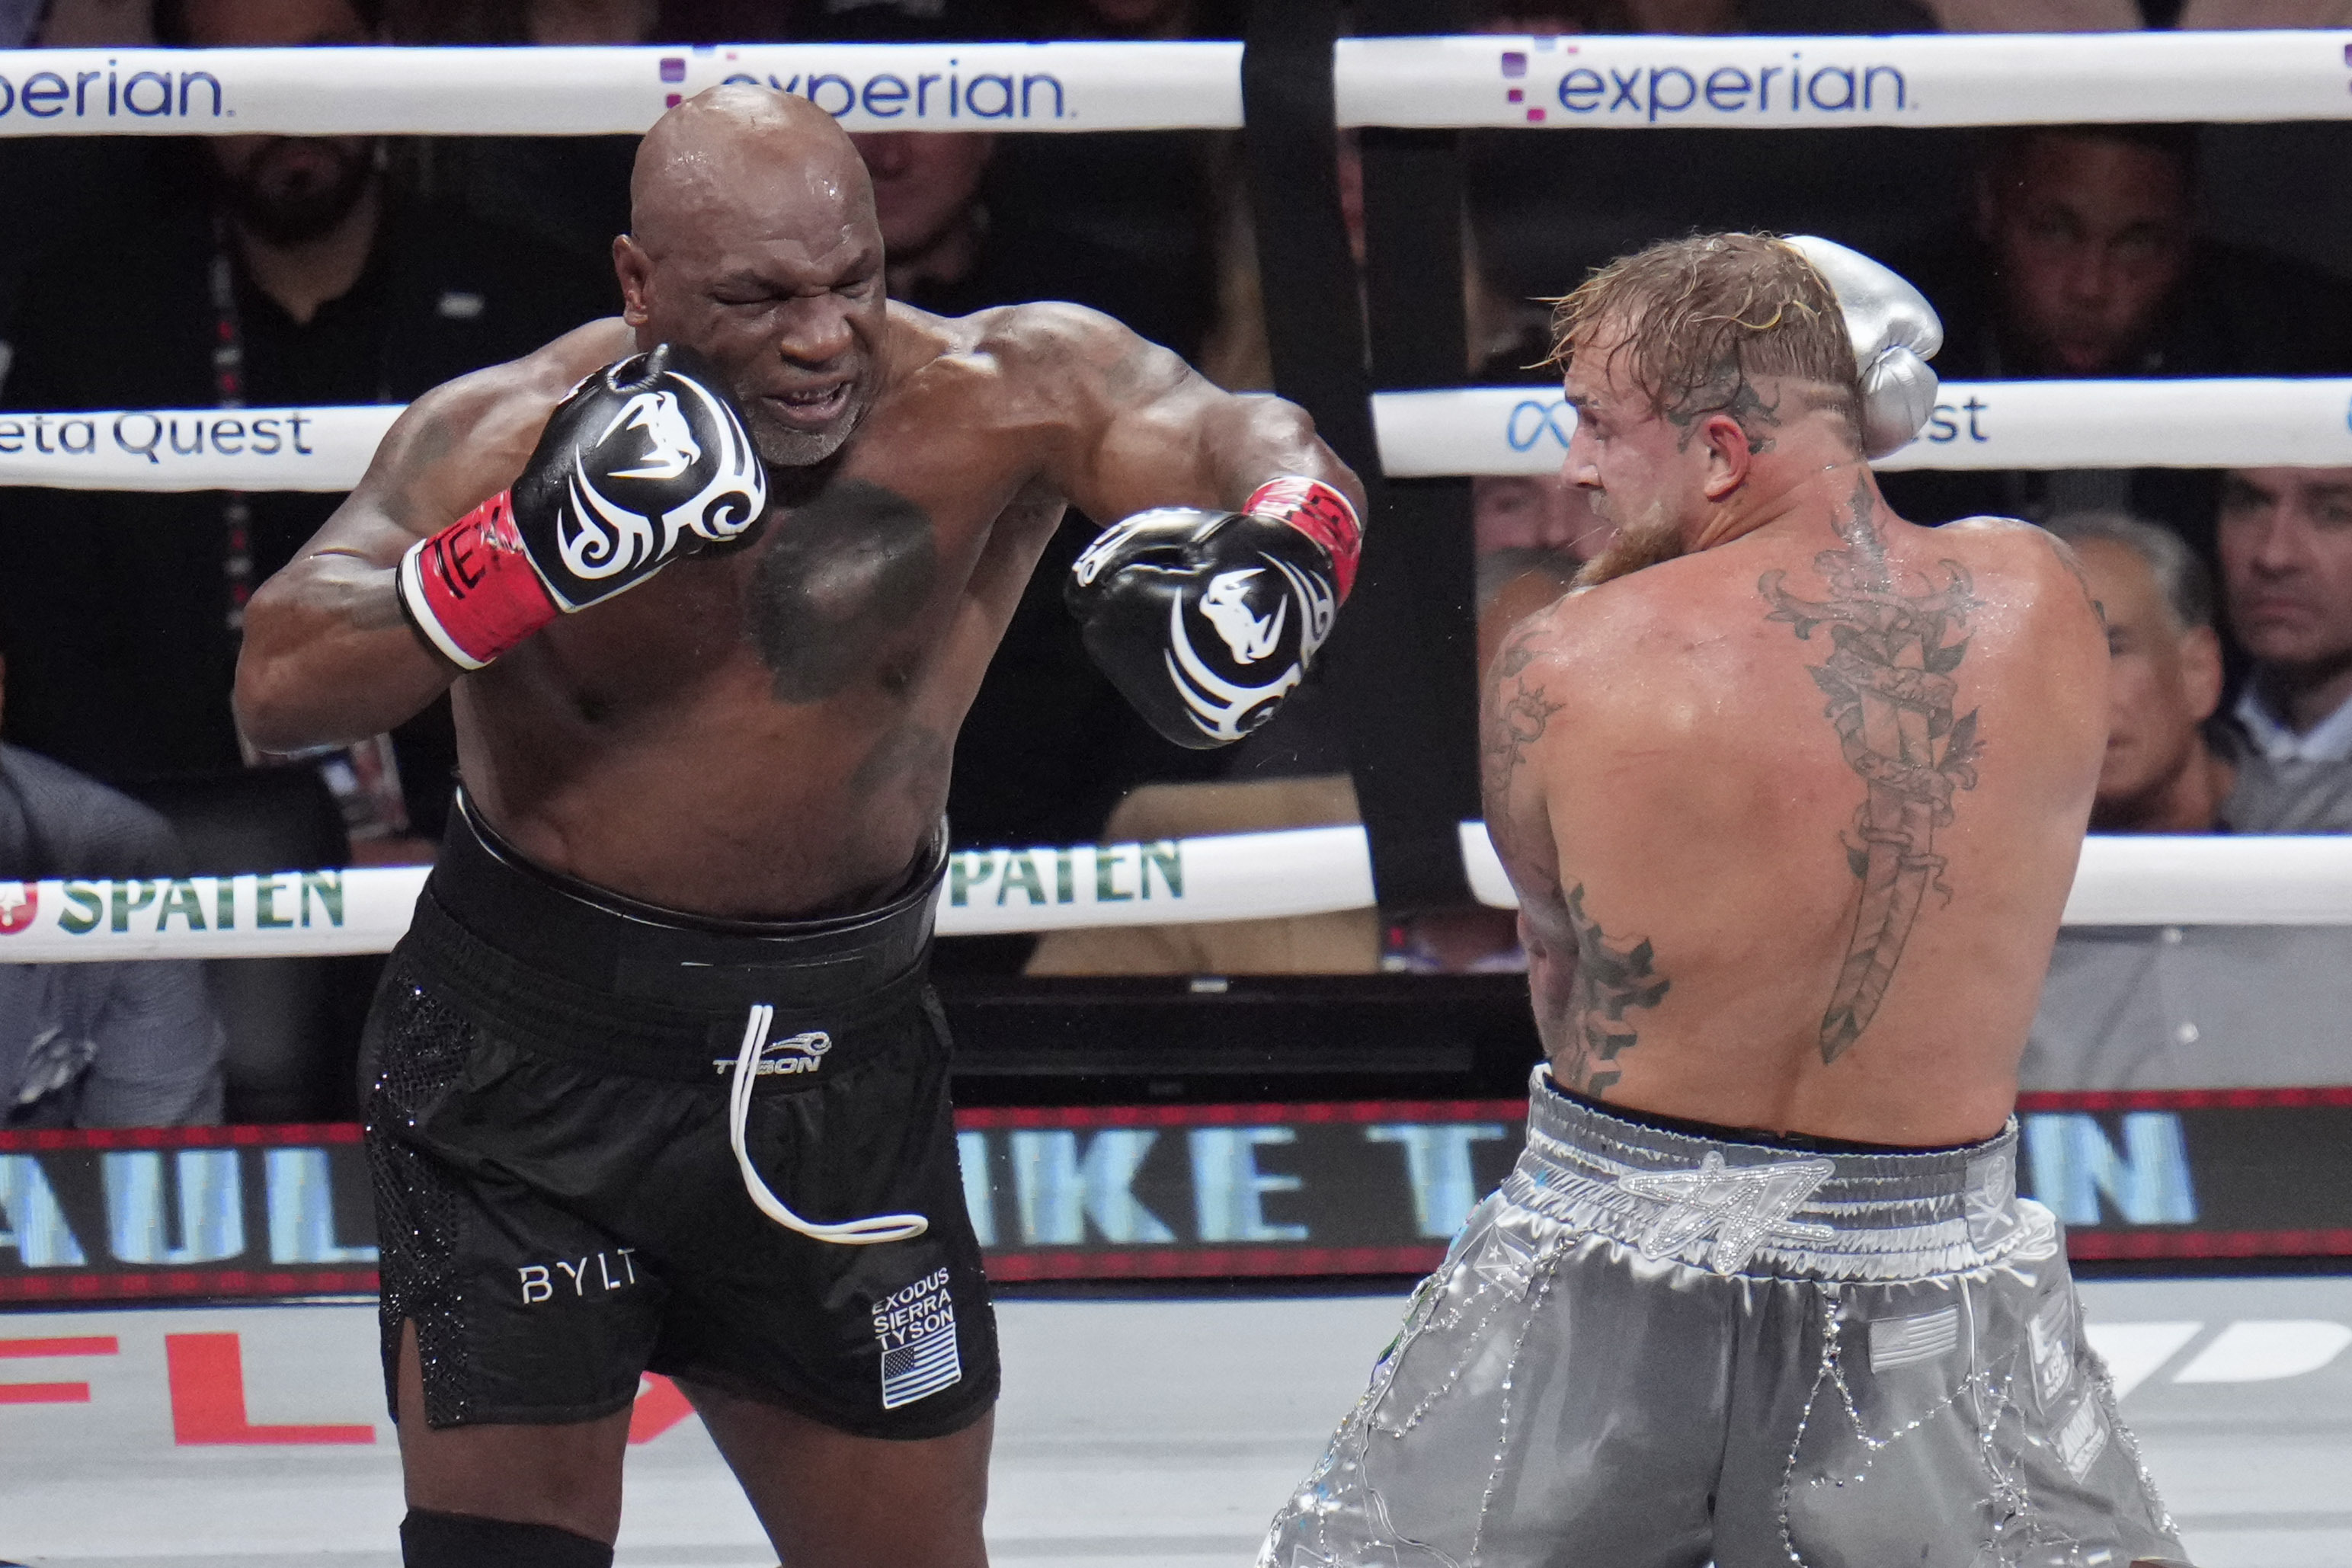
1505,1264
1738,1205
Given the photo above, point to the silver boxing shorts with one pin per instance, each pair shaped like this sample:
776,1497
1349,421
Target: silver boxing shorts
1649,1347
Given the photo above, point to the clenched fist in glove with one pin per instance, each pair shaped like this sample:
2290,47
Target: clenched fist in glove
646,461
1205,620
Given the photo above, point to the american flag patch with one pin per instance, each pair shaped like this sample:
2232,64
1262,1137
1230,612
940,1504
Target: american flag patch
1899,1341
917,1331
2051,1339
2083,1438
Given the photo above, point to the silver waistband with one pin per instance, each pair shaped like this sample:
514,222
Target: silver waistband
1754,1208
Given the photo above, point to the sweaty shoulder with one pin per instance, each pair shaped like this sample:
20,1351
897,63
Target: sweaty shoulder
1054,369
466,438
2030,558
1057,349
530,387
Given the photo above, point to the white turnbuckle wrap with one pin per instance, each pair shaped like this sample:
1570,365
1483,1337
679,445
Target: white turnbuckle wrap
849,1233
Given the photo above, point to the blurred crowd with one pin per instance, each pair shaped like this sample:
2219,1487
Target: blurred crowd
250,270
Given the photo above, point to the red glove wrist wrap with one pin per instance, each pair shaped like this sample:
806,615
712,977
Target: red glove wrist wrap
470,588
1319,513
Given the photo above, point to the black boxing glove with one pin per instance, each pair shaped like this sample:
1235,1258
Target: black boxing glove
647,459
1207,620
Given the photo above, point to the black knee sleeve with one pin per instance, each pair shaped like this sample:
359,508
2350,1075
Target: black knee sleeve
429,1540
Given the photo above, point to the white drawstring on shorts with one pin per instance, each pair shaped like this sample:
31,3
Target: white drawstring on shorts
849,1232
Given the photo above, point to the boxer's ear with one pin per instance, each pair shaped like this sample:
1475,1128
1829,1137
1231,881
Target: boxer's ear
634,268
1727,454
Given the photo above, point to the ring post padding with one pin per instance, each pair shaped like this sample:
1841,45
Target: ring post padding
2136,880
1643,82
595,91
2218,423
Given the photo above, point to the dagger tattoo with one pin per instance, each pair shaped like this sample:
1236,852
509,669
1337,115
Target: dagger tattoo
1891,693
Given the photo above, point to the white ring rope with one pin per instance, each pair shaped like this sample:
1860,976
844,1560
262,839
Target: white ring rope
605,91
2237,422
1639,82
2137,881
2222,423
1618,82
2240,421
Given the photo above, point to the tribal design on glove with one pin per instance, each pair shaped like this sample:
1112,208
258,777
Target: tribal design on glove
1220,704
1891,695
601,535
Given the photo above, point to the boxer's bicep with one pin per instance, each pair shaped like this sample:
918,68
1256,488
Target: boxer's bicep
1147,430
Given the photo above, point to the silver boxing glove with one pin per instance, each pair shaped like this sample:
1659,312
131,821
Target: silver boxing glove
1895,331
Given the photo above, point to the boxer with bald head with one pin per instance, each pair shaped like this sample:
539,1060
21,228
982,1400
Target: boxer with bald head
655,1083
1791,793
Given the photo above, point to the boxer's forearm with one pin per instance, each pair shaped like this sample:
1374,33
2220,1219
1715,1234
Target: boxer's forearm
1249,440
329,658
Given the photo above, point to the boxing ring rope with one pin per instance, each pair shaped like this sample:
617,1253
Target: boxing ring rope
2138,881
1617,82
2235,422
1613,82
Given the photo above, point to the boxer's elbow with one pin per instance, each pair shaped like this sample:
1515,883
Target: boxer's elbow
291,690
273,698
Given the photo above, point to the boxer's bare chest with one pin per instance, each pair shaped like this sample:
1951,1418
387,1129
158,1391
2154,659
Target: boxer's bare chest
867,578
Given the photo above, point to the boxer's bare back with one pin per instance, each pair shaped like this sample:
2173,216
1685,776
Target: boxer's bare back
1792,815
764,732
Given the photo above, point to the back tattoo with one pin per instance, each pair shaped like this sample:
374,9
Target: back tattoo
1592,1030
1608,981
1891,695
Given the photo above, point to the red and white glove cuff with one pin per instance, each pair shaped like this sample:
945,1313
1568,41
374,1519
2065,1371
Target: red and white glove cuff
1319,513
471,589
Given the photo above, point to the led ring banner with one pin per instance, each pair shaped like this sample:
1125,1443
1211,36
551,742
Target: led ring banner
1152,1191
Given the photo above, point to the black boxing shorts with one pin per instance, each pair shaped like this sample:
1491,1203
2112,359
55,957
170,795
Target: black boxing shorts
547,1075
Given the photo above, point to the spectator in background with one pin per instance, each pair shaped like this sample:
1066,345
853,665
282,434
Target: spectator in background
2084,262
2167,769
947,255
568,191
1143,203
1131,18
1533,534
2286,564
2187,1006
93,1044
242,270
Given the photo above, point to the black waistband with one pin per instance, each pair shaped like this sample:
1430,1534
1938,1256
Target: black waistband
572,969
